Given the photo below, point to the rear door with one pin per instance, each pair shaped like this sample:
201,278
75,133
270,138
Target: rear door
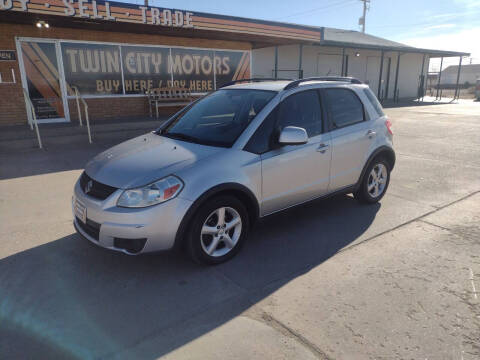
351,134
294,174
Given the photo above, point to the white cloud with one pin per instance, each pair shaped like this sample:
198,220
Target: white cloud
469,4
441,26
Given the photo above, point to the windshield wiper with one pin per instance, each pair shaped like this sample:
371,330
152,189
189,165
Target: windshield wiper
180,136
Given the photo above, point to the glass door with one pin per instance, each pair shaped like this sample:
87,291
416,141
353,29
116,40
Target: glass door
42,80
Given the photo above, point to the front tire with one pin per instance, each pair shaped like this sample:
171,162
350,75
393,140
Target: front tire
218,230
374,183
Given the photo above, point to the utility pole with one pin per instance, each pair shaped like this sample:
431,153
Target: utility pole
362,20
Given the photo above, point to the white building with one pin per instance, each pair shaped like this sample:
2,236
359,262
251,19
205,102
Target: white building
362,58
468,74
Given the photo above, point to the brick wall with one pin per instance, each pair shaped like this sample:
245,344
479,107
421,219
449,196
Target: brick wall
12,103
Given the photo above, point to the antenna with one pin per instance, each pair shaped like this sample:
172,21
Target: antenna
362,20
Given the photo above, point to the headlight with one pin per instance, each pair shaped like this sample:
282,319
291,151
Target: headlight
155,193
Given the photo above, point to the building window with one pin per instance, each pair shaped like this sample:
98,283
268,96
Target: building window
104,69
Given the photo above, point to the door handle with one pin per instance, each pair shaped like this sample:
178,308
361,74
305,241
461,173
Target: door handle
371,133
322,148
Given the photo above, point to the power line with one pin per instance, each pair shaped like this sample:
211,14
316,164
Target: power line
329,6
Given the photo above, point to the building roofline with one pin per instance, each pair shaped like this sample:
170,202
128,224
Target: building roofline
401,49
214,26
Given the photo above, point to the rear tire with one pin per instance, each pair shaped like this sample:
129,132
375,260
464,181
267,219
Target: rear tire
218,230
374,183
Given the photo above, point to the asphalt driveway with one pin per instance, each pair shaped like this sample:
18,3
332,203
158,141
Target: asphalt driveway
328,280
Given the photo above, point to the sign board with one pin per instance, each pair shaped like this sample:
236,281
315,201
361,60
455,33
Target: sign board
103,69
103,10
8,55
112,11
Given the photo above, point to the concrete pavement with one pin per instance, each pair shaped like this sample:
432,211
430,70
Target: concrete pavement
328,280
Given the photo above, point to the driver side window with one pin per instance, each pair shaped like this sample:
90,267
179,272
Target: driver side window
302,110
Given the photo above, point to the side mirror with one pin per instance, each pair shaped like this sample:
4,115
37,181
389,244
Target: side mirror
292,135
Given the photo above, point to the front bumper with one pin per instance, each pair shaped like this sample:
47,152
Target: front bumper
108,225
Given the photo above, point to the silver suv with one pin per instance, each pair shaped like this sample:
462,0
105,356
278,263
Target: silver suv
241,153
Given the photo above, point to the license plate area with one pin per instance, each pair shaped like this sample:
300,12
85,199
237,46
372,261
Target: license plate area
80,211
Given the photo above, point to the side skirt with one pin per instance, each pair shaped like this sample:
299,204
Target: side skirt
346,190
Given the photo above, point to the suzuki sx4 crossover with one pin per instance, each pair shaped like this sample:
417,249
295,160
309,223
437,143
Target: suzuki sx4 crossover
238,154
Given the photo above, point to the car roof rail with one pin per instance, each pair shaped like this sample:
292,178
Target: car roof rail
252,80
348,79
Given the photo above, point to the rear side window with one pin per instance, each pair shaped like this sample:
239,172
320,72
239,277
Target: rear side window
374,101
302,110
344,107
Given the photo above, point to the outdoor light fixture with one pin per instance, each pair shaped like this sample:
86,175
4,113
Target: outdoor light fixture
357,54
41,24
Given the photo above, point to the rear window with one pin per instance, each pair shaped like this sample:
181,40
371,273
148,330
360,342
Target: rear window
345,107
374,101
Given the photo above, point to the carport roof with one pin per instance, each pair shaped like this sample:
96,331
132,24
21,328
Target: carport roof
356,39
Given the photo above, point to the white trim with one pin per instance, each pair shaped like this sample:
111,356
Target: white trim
103,96
55,120
251,64
125,44
121,69
61,70
62,81
170,62
122,96
214,71
23,77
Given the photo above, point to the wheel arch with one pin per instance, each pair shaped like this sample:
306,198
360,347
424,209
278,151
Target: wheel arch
244,194
383,151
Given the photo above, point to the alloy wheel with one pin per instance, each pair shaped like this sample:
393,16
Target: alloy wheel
221,231
377,180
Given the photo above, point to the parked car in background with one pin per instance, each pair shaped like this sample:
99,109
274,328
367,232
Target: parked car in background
241,153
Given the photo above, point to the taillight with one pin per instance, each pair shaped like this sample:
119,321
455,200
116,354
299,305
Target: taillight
388,124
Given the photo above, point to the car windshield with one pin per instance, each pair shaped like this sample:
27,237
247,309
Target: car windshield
219,118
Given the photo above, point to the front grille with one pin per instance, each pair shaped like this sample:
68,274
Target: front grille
97,190
91,228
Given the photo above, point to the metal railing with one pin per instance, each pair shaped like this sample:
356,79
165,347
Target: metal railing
32,122
78,98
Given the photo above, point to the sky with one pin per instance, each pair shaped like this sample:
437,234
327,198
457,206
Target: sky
435,24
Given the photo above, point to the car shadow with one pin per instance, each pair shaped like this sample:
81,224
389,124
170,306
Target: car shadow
71,299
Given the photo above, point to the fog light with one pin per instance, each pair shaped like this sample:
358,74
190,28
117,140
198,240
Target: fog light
133,246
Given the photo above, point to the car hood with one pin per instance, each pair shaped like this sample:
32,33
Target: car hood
145,159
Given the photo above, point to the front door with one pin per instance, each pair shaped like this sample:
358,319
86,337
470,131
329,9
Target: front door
294,174
41,80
